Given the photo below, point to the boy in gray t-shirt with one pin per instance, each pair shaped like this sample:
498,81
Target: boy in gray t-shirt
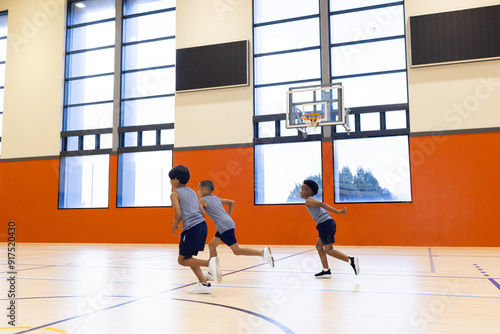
213,206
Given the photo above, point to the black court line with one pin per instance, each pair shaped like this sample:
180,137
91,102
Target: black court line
157,294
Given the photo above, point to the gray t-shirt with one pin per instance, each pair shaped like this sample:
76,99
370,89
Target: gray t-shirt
188,201
318,214
216,211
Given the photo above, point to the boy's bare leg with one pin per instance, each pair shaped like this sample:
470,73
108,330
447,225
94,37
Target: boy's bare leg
322,253
199,274
195,265
237,250
213,245
335,253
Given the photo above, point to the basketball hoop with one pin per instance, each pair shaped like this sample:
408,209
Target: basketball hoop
311,120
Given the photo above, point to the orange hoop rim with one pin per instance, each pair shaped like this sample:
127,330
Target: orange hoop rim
311,119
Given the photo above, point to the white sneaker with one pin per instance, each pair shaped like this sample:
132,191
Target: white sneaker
200,288
208,275
268,256
214,267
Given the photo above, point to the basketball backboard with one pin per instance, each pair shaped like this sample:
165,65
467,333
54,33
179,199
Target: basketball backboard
326,101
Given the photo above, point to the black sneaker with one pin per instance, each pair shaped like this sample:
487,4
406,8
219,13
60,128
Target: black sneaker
324,274
355,264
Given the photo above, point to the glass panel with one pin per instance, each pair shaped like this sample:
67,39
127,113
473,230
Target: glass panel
149,83
267,129
92,36
90,11
3,24
369,24
395,119
89,142
149,27
372,170
90,63
1,123
369,57
375,90
370,121
149,54
149,138
148,111
286,36
84,182
95,116
336,5
143,179
285,132
3,49
2,75
278,68
90,90
280,170
142,6
130,139
272,99
2,91
167,137
106,141
265,10
72,143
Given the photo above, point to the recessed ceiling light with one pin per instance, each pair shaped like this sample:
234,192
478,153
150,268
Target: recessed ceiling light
80,5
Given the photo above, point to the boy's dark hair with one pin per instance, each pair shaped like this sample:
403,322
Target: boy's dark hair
207,184
313,185
181,173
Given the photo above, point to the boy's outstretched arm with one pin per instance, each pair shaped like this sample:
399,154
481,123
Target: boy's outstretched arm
202,205
230,203
174,197
313,202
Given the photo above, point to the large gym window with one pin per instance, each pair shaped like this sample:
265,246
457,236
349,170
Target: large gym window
359,44
119,98
280,170
3,54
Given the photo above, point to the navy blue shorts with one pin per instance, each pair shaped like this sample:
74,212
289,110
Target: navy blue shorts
228,237
327,231
193,240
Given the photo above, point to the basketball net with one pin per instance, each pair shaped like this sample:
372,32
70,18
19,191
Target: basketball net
311,121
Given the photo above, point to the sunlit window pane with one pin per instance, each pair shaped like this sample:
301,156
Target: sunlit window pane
271,99
337,5
84,182
375,90
266,10
370,121
2,75
89,142
287,36
285,132
267,129
288,67
167,137
148,111
149,27
130,139
395,119
143,179
149,54
94,116
90,63
142,6
88,90
280,170
106,141
148,138
369,57
368,24
1,123
3,48
72,143
90,11
92,36
149,83
372,170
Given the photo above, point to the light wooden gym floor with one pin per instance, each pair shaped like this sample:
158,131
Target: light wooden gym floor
121,289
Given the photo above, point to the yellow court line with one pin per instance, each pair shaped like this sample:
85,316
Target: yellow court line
47,328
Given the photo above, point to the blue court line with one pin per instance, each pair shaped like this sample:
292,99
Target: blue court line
272,321
145,297
431,261
495,283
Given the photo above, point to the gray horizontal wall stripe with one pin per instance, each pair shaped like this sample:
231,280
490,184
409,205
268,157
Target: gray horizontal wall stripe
453,132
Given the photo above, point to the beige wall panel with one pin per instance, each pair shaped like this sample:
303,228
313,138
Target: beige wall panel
453,97
33,78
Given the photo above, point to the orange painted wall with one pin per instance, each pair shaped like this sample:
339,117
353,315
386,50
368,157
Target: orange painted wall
455,198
